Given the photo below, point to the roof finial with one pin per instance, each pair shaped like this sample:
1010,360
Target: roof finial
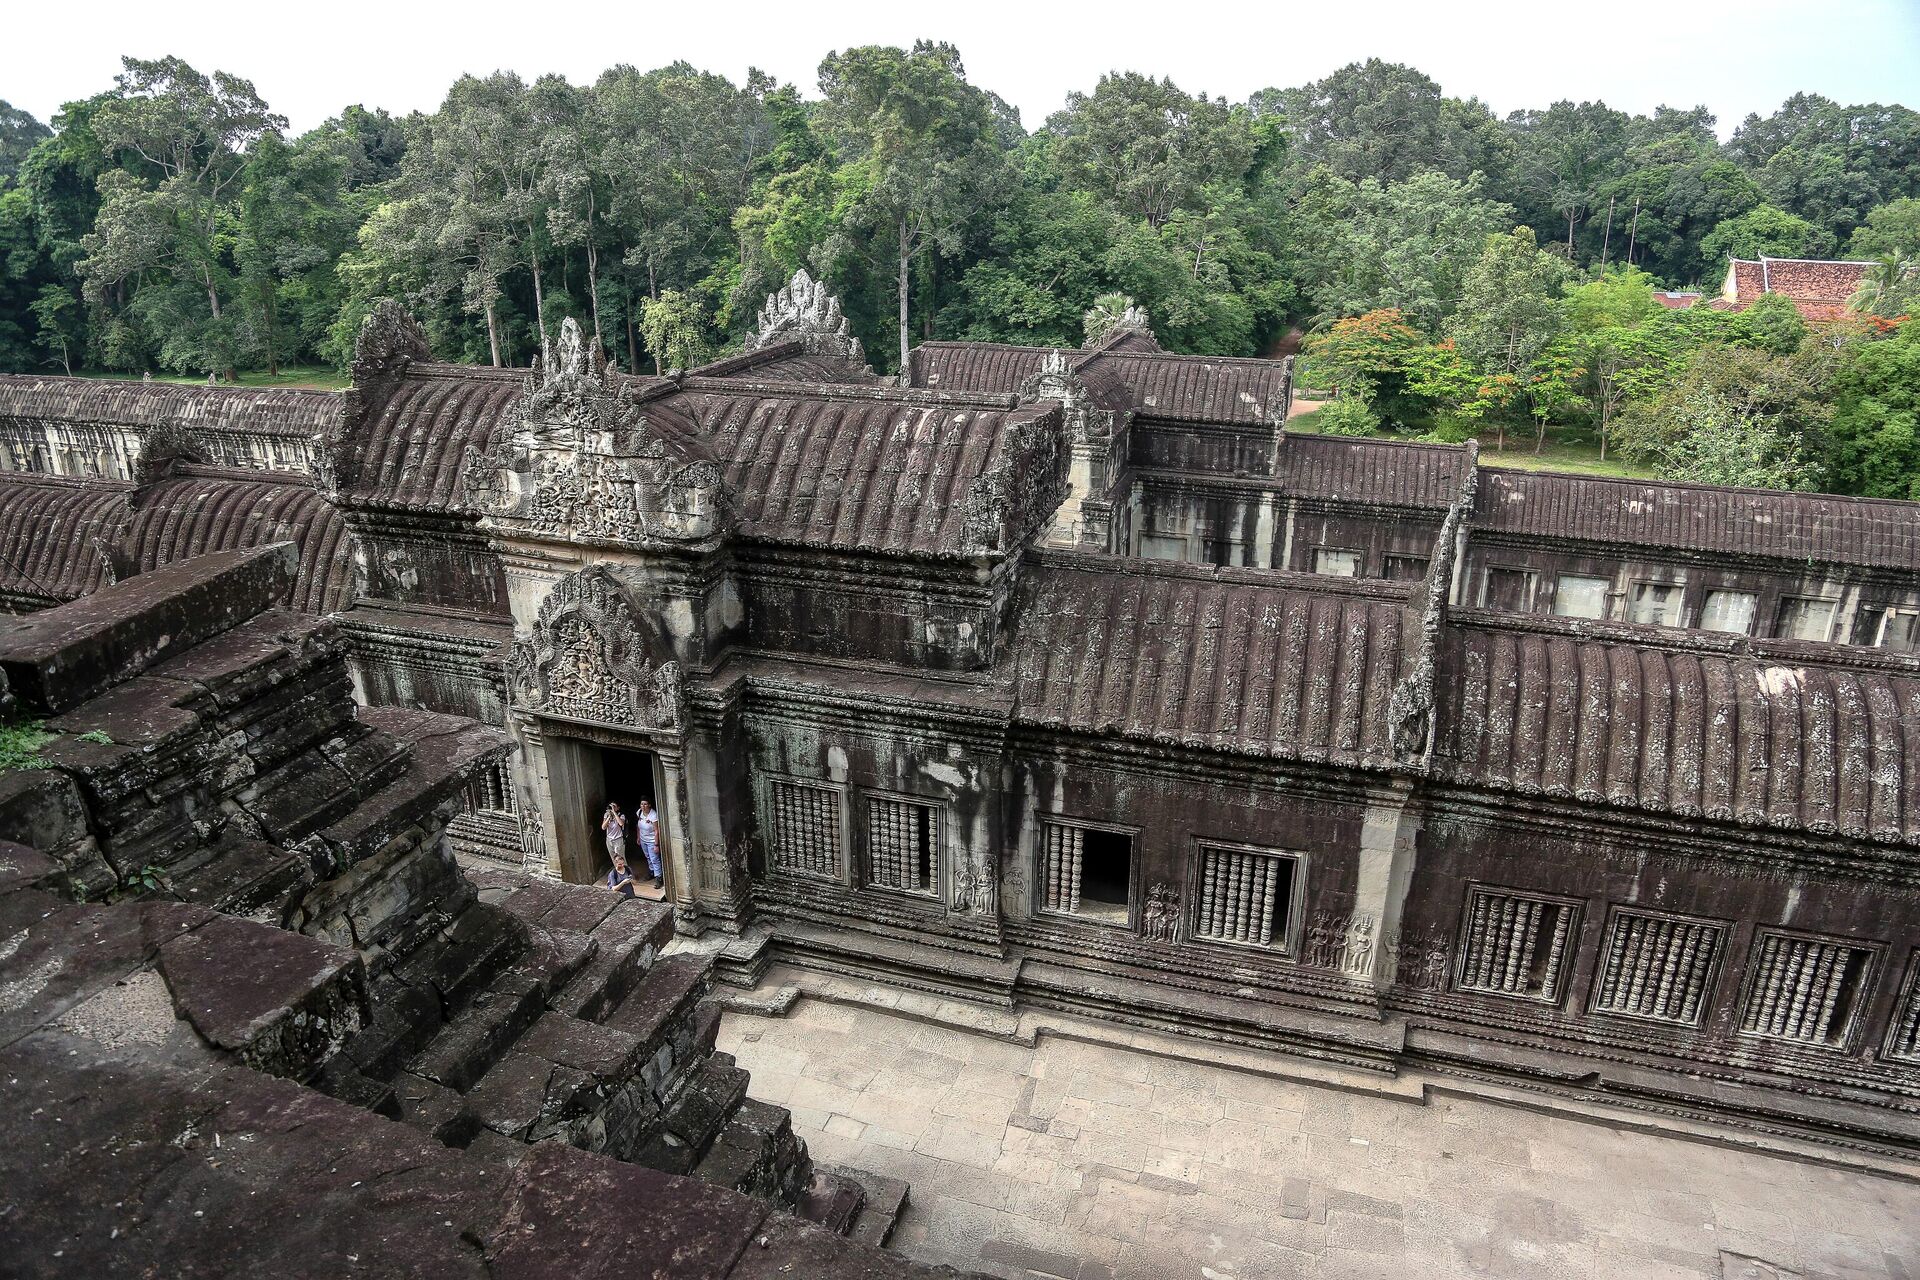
804,311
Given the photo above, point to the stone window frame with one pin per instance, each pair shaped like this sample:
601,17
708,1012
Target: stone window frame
1570,957
1710,986
1406,557
1359,561
937,892
1291,933
1886,612
1780,613
1607,595
1847,1041
1678,601
1724,588
764,787
1037,863
1907,1000
1531,574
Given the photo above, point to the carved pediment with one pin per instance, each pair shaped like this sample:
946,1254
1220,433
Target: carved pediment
588,658
577,459
804,311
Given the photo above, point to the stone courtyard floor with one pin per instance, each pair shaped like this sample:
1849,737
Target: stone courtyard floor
1094,1160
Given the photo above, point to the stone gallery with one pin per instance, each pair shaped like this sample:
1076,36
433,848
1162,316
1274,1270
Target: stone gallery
1064,680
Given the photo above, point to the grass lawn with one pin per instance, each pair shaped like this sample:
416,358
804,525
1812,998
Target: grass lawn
1579,456
320,376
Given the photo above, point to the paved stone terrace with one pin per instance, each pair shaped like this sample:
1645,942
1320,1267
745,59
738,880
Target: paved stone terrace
1098,1162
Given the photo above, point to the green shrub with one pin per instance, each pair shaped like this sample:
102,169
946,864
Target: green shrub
1347,415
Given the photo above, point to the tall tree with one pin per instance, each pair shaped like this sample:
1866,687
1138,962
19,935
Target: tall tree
1149,147
921,150
19,134
192,133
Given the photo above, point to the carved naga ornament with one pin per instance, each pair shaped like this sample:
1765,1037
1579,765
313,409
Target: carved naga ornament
577,460
587,659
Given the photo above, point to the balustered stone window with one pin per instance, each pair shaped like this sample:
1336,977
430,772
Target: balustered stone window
491,790
1657,967
1509,590
1577,595
1402,568
1903,1033
803,828
1802,989
1336,562
1245,896
1085,871
903,845
1727,610
1516,944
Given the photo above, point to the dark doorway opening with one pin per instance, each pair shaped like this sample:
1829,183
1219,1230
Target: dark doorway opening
626,780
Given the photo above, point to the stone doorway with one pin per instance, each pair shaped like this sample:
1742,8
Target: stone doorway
584,776
627,778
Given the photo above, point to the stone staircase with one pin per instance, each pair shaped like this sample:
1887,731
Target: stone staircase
544,1011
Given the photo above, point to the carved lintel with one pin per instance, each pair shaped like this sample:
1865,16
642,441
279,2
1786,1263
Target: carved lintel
587,659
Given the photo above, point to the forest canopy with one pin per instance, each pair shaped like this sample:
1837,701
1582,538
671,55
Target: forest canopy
1455,272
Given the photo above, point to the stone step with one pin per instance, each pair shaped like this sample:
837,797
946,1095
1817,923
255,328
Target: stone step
860,954
552,960
831,1201
704,1104
458,964
525,1097
628,943
883,1199
477,1037
404,1020
240,877
435,1109
756,1153
664,1013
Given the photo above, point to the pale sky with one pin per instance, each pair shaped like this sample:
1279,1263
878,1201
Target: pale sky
311,59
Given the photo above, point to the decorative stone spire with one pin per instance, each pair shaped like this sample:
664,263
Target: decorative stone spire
1054,380
804,311
389,339
1103,319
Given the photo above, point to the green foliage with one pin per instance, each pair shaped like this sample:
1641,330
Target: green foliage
1350,414
1736,415
1765,231
97,737
1893,228
20,745
1772,323
674,328
1874,438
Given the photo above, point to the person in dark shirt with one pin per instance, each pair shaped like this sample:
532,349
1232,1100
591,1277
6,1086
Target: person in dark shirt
620,880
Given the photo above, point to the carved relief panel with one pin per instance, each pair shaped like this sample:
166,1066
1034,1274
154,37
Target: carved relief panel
587,658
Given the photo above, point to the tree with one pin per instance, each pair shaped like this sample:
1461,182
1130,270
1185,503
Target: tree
1874,439
674,325
1361,246
1150,148
19,134
1892,228
1374,119
1564,156
1735,415
1765,231
192,133
922,152
1891,287
1509,303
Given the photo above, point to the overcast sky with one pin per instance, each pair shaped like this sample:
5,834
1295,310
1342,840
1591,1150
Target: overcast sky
310,59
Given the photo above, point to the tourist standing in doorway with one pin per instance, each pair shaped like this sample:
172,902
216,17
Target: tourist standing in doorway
614,823
646,825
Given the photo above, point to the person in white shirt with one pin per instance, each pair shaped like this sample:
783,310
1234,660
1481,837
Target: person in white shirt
646,825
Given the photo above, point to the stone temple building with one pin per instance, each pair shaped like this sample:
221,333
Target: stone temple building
1073,680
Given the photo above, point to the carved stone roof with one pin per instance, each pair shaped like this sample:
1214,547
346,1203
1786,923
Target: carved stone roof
876,470
1155,383
192,515
1771,738
51,537
100,401
1225,661
1374,471
1754,522
788,362
409,448
59,537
